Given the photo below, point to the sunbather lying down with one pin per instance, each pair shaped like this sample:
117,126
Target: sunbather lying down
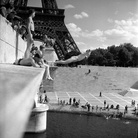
75,58
26,62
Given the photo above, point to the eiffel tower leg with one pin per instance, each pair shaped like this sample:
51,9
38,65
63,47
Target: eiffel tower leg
64,42
51,22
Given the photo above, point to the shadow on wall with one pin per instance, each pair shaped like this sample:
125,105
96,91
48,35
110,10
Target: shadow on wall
12,46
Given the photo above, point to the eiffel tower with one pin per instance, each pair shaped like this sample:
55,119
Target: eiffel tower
49,20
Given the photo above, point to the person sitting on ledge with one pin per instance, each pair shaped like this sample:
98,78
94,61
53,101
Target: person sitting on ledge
11,16
38,57
16,23
27,61
23,32
6,9
75,58
32,62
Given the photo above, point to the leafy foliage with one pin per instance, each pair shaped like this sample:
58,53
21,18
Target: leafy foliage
124,55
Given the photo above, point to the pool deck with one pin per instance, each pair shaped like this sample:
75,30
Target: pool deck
93,99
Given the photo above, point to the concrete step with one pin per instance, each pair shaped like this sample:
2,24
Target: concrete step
18,87
105,79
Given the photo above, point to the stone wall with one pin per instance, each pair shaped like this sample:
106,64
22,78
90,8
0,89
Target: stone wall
12,46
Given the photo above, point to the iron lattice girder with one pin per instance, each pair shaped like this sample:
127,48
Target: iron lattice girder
15,2
51,23
20,3
64,39
49,4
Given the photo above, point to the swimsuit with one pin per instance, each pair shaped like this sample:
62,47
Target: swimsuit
37,55
37,58
32,32
19,61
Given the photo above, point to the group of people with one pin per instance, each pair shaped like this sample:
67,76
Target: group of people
88,107
72,102
75,103
8,12
26,31
33,56
43,100
36,59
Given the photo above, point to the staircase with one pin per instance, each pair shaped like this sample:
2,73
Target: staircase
105,79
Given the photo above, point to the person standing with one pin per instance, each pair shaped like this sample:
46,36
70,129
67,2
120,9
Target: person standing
104,103
92,108
45,100
74,101
126,109
100,95
70,101
88,106
30,31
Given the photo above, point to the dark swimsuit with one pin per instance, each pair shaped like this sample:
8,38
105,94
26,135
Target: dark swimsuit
37,58
32,32
37,55
19,61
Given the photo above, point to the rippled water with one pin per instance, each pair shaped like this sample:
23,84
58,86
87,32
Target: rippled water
63,125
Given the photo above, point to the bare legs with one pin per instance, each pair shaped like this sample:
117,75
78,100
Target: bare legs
28,62
75,58
28,49
70,60
33,63
48,72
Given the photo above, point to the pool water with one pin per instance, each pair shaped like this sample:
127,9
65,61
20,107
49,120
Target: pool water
66,125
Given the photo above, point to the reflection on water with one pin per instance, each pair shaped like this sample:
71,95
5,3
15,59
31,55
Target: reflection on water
63,125
37,135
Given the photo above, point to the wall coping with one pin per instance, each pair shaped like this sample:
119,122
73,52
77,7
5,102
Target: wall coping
19,87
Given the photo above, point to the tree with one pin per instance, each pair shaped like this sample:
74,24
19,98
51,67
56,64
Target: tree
110,59
135,58
124,56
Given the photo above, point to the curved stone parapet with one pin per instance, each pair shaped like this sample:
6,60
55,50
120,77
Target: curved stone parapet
18,87
38,120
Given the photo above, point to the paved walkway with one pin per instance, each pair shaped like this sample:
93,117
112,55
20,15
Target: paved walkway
93,99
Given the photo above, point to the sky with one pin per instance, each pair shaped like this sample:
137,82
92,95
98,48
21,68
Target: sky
99,23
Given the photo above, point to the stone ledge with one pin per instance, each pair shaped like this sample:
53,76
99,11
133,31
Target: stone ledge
18,87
